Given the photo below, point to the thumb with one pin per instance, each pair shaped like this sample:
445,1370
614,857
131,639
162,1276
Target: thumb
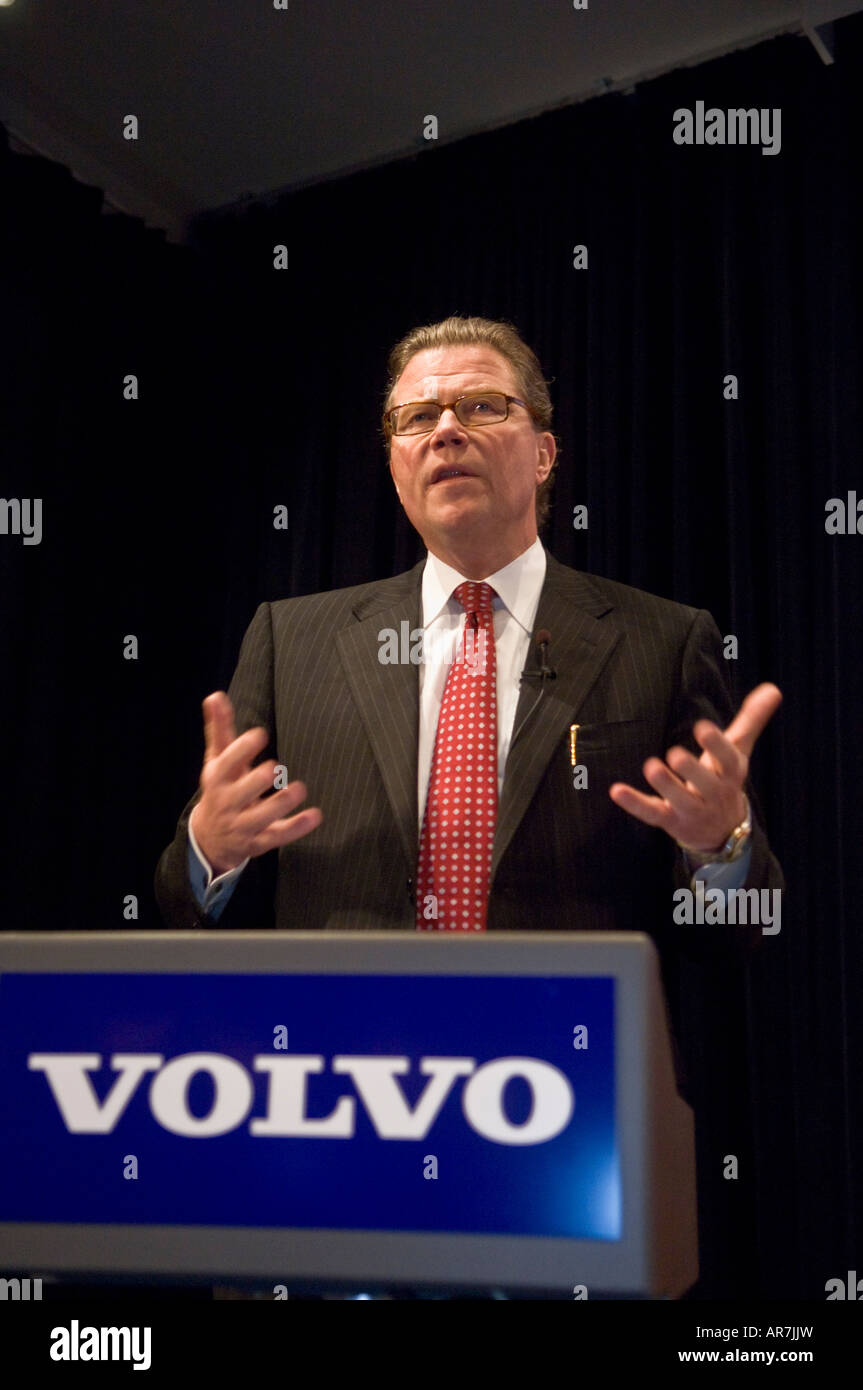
753,716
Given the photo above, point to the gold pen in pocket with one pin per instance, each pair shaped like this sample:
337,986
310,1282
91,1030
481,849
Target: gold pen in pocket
573,735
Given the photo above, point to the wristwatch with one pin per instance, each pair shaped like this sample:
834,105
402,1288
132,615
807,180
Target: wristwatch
733,848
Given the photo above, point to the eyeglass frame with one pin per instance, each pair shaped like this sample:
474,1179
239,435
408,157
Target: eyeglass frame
451,405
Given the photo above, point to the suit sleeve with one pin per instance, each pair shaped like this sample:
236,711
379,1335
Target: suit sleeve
251,904
703,693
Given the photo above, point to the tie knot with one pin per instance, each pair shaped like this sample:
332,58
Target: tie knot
475,597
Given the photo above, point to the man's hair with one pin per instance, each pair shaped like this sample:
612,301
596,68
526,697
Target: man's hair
503,337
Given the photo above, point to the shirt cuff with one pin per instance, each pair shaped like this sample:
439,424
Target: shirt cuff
724,876
207,889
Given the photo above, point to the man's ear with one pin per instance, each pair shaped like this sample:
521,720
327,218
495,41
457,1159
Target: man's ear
547,454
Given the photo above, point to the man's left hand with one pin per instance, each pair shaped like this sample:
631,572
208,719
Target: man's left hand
701,800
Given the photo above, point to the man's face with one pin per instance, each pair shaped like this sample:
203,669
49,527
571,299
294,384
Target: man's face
499,466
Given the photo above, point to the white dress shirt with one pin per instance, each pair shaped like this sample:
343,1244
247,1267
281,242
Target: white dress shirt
518,586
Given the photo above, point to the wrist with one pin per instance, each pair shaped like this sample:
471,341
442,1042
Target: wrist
731,848
216,869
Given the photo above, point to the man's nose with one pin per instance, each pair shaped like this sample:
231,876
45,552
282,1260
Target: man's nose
448,427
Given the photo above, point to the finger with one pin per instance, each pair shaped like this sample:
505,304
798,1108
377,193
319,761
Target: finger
283,832
670,788
248,788
264,812
723,757
694,772
650,810
219,729
236,759
753,716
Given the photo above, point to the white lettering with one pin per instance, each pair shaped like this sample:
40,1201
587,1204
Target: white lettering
76,1343
553,1101
374,1078
232,1099
286,1109
73,1090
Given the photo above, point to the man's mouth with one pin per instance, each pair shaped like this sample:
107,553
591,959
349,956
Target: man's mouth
445,472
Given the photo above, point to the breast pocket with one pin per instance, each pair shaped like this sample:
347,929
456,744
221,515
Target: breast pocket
617,736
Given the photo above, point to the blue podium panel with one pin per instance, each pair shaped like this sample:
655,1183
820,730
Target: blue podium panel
398,1103
343,1109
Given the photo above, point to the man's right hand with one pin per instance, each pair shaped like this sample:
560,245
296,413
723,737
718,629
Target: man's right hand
232,821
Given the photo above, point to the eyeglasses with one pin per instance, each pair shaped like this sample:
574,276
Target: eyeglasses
477,408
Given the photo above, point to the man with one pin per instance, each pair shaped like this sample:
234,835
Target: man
450,793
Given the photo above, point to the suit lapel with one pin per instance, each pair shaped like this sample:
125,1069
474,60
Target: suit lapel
570,608
387,696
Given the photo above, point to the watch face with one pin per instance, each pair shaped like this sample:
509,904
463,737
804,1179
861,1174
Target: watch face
741,840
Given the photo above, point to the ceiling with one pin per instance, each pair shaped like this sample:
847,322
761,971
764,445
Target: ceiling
245,99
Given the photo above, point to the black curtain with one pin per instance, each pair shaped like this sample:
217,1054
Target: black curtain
259,387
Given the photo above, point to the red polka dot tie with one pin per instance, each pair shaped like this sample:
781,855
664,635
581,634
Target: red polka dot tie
454,869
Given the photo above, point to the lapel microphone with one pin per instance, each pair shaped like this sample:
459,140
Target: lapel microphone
544,672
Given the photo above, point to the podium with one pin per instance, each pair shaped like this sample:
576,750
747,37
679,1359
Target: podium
345,1111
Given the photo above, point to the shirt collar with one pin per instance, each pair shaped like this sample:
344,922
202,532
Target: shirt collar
517,585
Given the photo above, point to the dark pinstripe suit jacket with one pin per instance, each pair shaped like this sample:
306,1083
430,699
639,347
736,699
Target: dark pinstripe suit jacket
633,670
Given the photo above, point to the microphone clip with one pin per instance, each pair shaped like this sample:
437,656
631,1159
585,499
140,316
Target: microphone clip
544,672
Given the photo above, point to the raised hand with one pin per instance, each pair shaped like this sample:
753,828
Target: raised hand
701,800
233,821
